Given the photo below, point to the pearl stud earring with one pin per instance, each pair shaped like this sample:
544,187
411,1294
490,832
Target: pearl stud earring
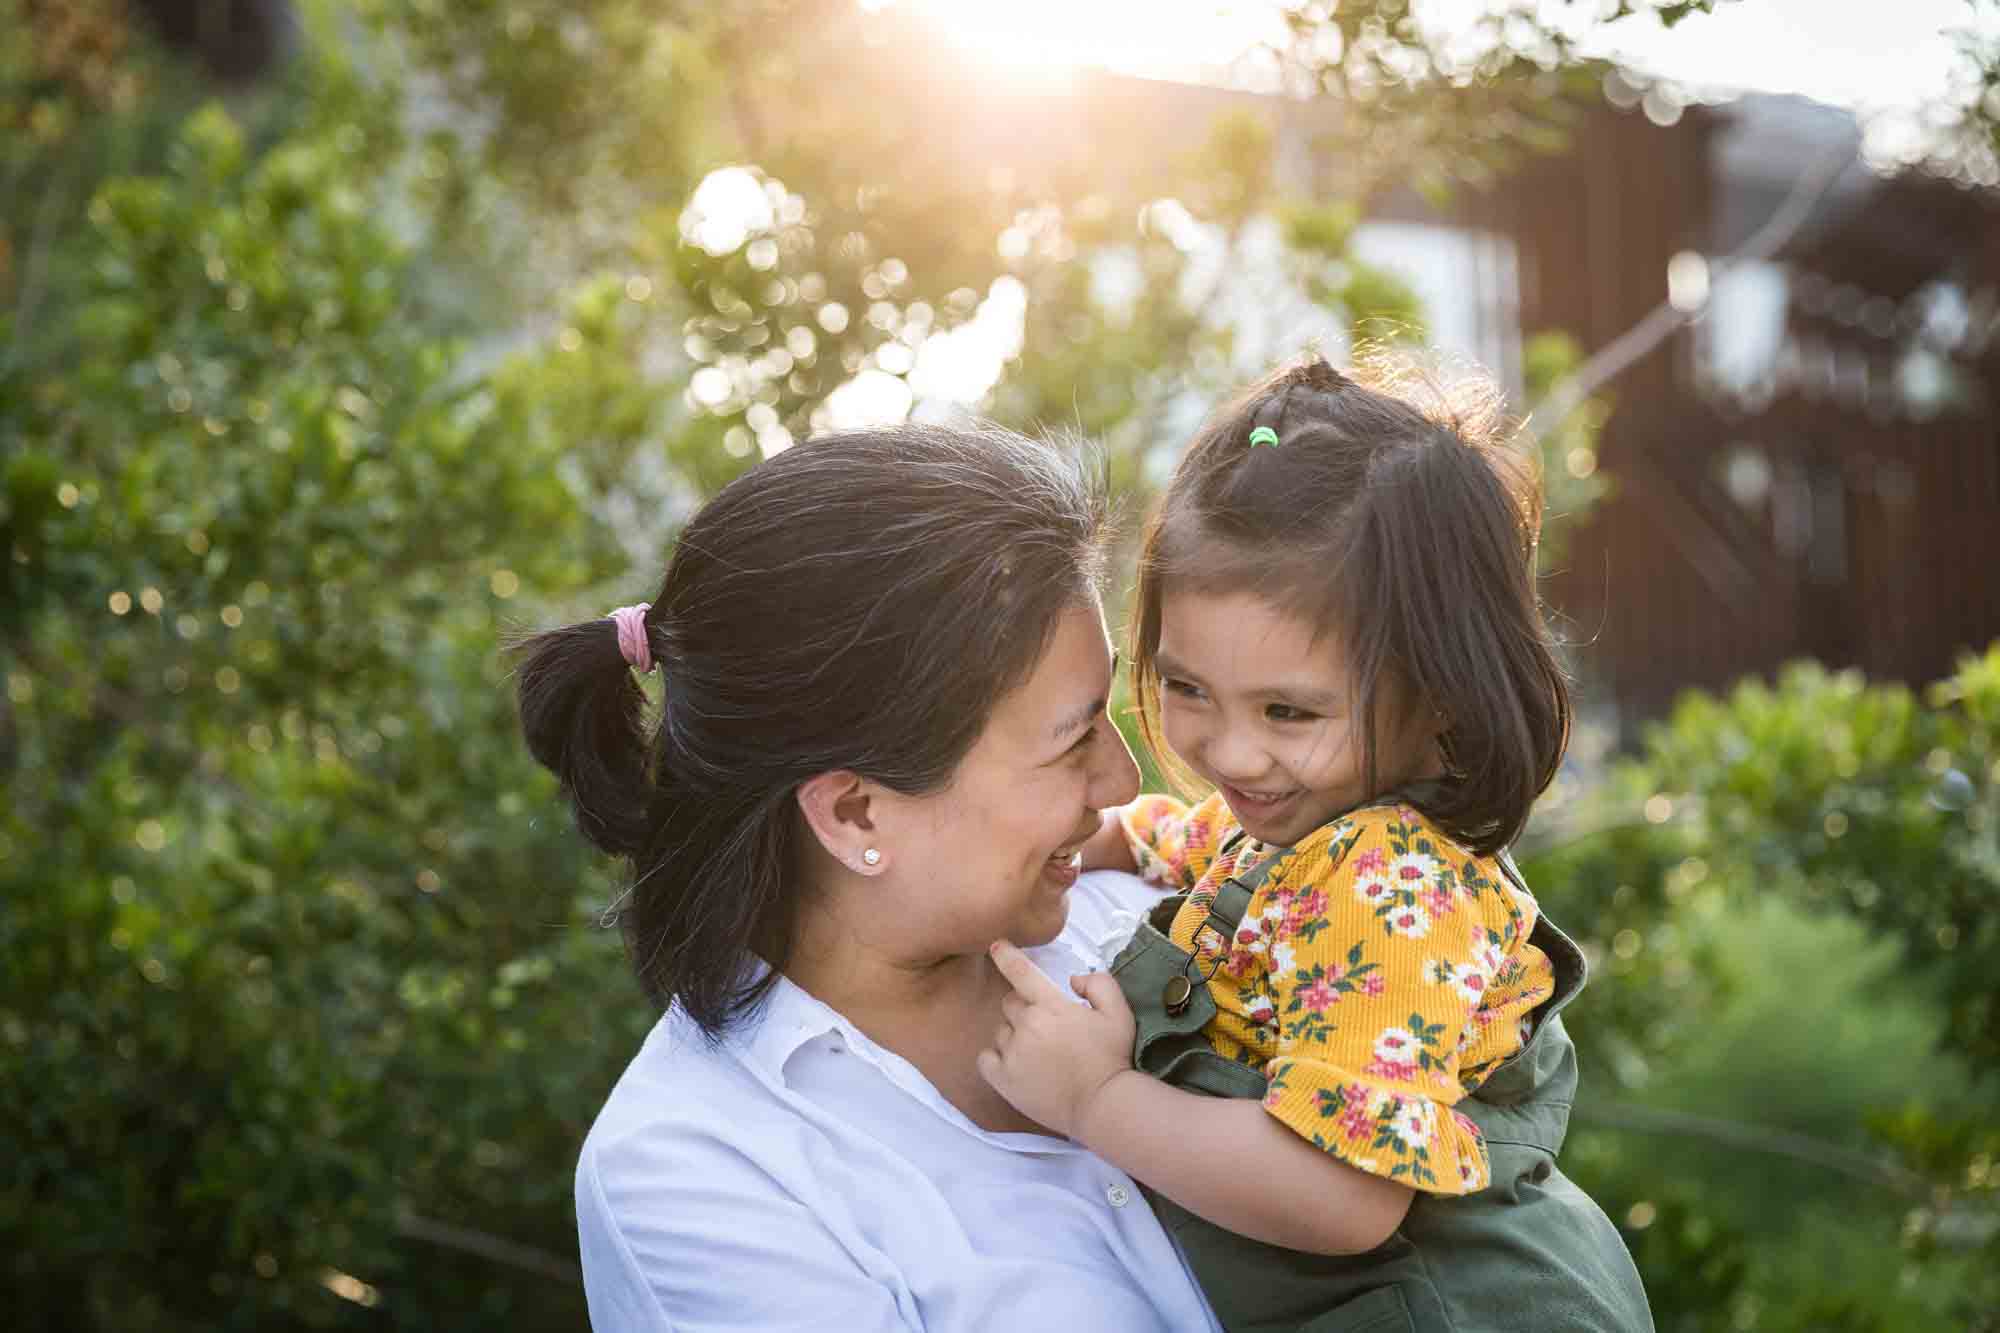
872,857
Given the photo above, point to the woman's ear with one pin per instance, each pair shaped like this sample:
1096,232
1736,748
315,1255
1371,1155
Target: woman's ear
836,807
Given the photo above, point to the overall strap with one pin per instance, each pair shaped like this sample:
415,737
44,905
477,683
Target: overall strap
1232,898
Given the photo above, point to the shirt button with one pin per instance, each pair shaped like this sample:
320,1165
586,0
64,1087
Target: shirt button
1117,1195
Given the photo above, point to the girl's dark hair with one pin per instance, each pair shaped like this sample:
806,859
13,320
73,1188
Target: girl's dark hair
1390,513
860,601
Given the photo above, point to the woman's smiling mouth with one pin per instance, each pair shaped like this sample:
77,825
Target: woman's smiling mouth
1063,866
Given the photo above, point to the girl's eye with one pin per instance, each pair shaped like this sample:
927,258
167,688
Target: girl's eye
1286,713
1082,744
1181,687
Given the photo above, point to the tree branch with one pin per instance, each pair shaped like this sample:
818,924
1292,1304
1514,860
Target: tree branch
488,1246
1755,1138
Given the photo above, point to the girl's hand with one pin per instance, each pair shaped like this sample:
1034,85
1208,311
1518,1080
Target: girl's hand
1051,1057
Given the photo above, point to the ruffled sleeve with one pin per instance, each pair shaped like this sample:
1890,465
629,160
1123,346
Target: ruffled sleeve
1383,939
1171,843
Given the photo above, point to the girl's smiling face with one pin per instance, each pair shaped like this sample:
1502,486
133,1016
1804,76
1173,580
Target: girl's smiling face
1258,703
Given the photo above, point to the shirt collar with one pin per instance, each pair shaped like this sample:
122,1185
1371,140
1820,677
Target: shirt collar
791,1017
787,1019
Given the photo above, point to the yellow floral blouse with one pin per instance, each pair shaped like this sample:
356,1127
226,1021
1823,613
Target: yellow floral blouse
1380,972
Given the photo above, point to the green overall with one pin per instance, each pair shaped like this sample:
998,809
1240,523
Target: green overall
1530,1252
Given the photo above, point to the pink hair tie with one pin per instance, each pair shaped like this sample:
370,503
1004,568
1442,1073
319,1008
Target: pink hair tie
632,641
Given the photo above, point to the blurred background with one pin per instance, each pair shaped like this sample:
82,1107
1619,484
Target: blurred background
338,342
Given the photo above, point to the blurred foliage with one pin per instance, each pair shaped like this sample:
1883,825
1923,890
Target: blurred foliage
1571,481
1513,67
1790,898
281,894
310,395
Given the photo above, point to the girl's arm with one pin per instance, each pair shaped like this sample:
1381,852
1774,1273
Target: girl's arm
1227,1160
1160,838
1069,1067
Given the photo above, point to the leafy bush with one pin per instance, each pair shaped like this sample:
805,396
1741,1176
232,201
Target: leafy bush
1820,799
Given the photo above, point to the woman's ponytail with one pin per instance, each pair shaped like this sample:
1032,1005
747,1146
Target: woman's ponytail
859,602
583,716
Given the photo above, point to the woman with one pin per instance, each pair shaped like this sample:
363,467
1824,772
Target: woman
882,742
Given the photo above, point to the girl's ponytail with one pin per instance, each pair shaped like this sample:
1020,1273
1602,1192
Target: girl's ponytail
582,714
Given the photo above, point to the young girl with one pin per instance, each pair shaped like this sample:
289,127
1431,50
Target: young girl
1349,1009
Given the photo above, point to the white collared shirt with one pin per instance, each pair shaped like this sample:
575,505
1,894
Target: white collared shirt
799,1176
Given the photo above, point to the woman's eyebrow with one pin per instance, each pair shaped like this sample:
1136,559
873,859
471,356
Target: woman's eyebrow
1080,719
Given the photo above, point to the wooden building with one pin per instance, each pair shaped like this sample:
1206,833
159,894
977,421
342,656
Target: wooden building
1813,468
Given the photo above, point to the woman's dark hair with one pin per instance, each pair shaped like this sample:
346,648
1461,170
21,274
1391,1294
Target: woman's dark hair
860,601
1390,513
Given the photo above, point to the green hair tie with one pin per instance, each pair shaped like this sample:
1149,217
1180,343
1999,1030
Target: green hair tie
1263,435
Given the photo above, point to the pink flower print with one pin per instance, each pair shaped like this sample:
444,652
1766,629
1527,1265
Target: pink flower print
1439,901
1411,921
1395,1044
1282,960
1272,1095
1260,1009
1373,984
1412,869
1374,891
1415,1122
1470,983
1395,1056
1490,959
1318,995
1371,862
1355,1125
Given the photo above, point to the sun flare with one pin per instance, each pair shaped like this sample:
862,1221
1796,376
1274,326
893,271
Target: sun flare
1133,36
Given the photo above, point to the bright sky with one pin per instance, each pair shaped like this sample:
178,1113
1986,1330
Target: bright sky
1866,55
1854,53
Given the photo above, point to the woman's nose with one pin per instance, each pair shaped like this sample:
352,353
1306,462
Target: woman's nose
1115,780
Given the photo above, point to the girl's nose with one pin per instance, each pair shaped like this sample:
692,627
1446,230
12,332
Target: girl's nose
1235,756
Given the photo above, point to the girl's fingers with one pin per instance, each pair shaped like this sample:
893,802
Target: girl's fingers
989,1066
1101,990
1026,979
